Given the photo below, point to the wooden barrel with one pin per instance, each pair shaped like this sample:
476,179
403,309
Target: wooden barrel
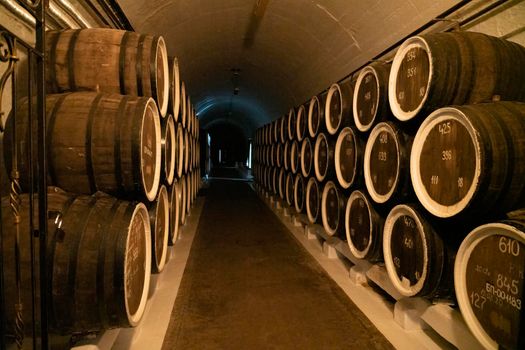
441,69
174,95
286,154
301,123
348,158
295,157
184,195
187,151
364,228
159,217
273,155
416,258
284,128
370,102
279,155
183,105
387,163
282,183
108,60
489,283
306,157
275,181
471,159
292,124
175,211
313,200
315,116
290,190
338,107
169,150
332,209
99,261
276,132
324,150
299,193
188,194
179,151
95,142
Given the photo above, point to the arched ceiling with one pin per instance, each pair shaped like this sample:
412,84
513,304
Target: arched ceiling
284,51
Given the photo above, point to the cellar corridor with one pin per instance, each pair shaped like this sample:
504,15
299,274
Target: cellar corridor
249,285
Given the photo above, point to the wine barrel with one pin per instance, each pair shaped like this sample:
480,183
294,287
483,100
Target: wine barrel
175,211
284,128
441,69
275,181
370,102
471,159
292,124
179,151
313,200
273,154
188,194
276,137
290,190
315,115
416,258
282,183
95,142
348,158
363,227
332,207
159,217
387,163
489,283
187,151
286,154
184,195
169,150
299,195
183,105
174,95
295,157
301,123
108,60
338,107
279,155
324,150
99,261
306,157
189,107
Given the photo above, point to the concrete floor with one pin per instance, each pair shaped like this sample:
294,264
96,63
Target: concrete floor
249,285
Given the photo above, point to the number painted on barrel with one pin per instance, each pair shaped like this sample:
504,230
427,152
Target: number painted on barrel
381,156
383,138
477,300
509,246
411,72
411,55
446,154
434,179
444,128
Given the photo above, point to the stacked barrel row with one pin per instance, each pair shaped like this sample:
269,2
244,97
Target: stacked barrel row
416,164
122,151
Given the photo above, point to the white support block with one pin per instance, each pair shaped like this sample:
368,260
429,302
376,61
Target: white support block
449,323
329,250
104,341
296,221
357,275
309,232
408,311
380,277
153,285
286,211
